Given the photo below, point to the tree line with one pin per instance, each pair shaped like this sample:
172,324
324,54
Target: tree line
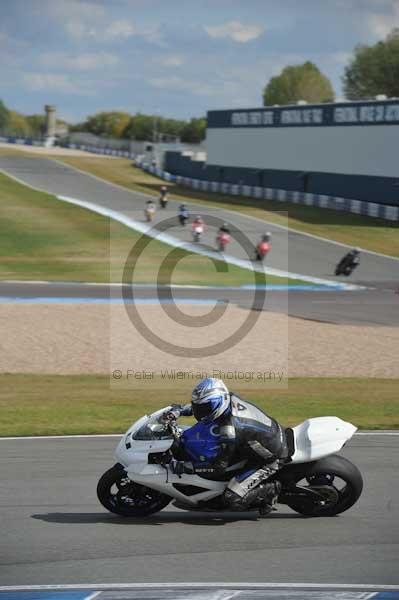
143,127
372,70
15,123
113,124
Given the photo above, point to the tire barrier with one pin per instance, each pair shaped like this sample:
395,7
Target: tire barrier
358,207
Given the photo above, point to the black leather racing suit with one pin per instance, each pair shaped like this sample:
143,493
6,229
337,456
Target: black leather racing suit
243,433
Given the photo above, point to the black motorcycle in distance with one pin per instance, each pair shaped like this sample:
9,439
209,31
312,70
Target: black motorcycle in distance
348,263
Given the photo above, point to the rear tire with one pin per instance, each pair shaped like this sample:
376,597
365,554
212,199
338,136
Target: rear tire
118,494
320,475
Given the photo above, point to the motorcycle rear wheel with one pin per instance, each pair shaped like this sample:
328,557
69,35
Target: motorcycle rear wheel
118,494
323,476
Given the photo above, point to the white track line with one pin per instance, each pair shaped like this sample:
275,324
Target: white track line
92,596
199,585
118,435
192,201
176,243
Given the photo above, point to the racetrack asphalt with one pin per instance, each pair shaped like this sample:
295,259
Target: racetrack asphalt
54,531
361,307
378,304
291,250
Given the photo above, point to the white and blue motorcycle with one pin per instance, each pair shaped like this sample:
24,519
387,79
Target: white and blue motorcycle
315,481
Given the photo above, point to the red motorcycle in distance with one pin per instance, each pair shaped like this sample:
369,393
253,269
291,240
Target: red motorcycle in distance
222,239
262,250
263,247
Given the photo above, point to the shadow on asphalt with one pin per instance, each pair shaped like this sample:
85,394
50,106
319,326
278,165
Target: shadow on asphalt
162,518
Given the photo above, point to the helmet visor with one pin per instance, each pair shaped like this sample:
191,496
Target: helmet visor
203,410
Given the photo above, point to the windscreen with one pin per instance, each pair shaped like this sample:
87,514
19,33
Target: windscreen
152,430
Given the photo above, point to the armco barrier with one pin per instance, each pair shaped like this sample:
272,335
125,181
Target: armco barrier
359,207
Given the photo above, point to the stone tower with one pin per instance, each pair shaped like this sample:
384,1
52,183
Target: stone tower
51,121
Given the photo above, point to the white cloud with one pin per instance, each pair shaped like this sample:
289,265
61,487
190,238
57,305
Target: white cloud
340,58
79,62
381,24
173,60
78,29
51,82
119,29
79,18
236,31
176,84
74,9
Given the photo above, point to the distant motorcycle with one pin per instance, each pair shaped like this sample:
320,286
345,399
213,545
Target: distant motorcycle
348,263
222,240
198,230
183,215
163,201
149,212
262,249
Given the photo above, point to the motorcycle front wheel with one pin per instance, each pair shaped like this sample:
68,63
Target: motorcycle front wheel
118,494
326,488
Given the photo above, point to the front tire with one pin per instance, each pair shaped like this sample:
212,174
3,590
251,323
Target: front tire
323,477
118,494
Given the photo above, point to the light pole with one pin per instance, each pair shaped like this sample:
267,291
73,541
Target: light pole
155,139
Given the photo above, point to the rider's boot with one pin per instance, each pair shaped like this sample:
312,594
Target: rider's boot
269,498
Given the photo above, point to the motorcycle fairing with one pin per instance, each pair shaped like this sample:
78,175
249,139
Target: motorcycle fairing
320,436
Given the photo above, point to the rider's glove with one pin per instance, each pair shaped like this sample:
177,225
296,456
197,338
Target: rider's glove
170,415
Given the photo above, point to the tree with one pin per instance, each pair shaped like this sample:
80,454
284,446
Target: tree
298,82
374,69
18,124
194,131
146,127
37,124
141,127
107,124
4,115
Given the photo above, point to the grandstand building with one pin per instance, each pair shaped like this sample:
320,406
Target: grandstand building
348,150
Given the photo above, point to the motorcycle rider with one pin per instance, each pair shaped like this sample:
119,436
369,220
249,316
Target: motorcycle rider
183,214
229,430
224,229
198,223
351,259
223,236
149,210
163,199
263,246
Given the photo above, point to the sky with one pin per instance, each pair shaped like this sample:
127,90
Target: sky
175,58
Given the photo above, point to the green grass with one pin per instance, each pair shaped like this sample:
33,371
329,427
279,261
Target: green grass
63,405
44,238
355,230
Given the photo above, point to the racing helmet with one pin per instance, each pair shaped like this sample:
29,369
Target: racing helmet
266,236
210,399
